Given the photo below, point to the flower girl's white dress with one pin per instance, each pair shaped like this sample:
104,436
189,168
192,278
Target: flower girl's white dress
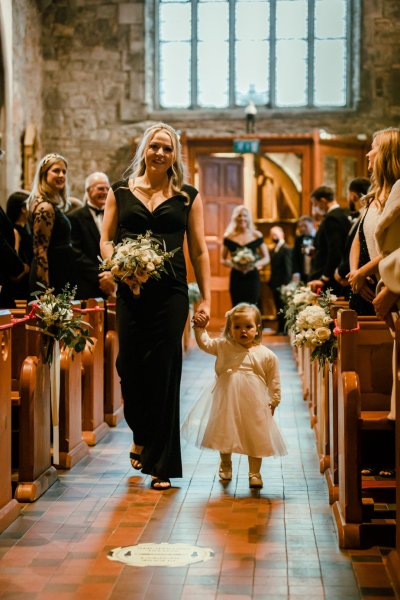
233,415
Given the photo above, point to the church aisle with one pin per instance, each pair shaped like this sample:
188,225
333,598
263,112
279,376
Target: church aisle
277,543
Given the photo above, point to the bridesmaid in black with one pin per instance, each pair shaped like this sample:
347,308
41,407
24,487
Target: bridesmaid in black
55,261
244,283
150,326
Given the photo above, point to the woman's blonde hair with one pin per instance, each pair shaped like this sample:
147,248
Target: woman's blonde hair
176,172
386,169
41,188
233,224
240,309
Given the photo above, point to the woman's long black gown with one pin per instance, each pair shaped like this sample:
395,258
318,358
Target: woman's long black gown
244,287
357,302
150,328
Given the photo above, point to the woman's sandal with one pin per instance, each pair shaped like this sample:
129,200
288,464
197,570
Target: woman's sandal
136,458
368,471
255,480
156,484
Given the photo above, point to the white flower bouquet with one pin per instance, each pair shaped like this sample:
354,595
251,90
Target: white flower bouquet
314,328
295,298
138,259
243,257
57,321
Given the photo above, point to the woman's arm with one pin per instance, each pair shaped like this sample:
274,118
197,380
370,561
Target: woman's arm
225,257
264,257
43,223
354,255
198,253
109,227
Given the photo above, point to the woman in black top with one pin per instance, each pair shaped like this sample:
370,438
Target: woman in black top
241,235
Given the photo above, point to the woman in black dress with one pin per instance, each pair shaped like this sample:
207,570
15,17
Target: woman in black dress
55,261
17,212
244,284
150,326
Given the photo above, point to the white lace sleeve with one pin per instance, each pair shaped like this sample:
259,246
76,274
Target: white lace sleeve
204,341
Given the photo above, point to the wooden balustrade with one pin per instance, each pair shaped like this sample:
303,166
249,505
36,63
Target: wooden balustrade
9,508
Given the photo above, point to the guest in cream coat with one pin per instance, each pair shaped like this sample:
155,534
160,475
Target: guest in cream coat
386,184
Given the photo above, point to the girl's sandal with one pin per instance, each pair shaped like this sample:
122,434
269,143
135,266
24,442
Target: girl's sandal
136,460
157,484
255,480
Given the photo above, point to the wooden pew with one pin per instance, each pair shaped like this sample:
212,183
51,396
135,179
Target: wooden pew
72,447
94,427
113,408
32,398
364,389
393,558
9,508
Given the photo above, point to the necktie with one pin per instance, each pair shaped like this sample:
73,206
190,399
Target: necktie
97,211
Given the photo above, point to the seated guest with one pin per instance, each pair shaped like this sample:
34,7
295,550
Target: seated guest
358,188
86,224
17,212
303,249
12,269
330,239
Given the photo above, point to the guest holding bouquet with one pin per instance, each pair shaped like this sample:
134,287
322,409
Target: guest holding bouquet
152,310
245,253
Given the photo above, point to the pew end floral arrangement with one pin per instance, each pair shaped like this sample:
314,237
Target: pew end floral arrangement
309,321
56,320
135,260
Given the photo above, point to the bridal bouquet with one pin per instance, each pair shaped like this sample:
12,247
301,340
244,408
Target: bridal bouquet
139,259
243,257
314,328
56,319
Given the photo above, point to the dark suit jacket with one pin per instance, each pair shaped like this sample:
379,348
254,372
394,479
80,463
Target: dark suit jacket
10,264
298,263
86,240
281,267
330,241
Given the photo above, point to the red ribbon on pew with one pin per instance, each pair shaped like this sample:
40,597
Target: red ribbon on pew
337,329
88,310
14,321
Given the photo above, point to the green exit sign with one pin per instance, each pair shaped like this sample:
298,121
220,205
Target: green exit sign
246,146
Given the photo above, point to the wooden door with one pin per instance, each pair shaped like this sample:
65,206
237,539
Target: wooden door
221,188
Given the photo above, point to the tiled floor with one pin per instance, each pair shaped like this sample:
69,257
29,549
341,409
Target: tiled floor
278,543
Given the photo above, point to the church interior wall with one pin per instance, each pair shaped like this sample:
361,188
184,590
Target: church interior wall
83,73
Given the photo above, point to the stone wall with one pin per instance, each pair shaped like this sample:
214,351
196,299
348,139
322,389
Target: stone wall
27,78
97,76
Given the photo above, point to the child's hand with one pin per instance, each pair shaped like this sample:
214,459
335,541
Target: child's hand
200,320
272,407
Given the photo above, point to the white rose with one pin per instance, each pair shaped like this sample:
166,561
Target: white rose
323,333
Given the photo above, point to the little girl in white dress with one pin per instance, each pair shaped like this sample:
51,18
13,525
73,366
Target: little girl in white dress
237,414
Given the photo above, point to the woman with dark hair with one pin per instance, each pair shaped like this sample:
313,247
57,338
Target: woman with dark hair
17,212
55,261
150,326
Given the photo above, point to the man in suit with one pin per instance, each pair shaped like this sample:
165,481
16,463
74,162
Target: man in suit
12,269
281,271
86,223
303,248
330,239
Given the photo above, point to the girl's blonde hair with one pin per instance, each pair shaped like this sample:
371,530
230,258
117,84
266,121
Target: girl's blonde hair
41,188
240,309
176,172
233,224
386,169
